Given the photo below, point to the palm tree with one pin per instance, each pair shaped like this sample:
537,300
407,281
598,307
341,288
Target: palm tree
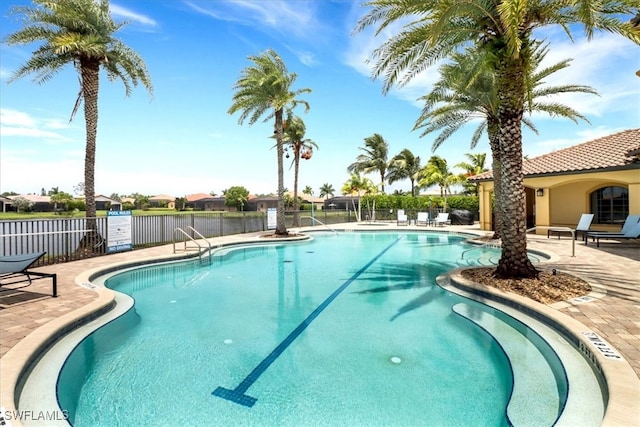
474,166
358,185
327,190
81,33
467,91
302,148
405,165
265,88
436,172
308,190
434,30
374,158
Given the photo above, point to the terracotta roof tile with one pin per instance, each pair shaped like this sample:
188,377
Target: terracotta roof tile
617,150
199,196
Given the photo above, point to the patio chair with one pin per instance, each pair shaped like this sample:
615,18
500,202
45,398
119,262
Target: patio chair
633,232
583,227
15,269
629,222
402,218
442,219
423,218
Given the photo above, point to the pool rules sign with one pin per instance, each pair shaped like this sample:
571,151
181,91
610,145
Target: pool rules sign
272,218
119,231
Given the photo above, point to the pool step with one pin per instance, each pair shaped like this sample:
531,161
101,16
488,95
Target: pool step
539,384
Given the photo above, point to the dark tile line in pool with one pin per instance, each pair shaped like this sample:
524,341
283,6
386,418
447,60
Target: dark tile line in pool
237,395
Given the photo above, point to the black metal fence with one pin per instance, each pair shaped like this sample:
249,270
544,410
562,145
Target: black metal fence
61,237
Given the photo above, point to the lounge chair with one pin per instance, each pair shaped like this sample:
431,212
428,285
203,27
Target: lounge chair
583,227
423,218
442,219
633,232
402,218
629,222
15,269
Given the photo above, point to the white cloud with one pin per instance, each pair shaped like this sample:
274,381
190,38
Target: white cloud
607,63
132,16
293,18
29,132
14,123
63,173
10,117
358,54
4,73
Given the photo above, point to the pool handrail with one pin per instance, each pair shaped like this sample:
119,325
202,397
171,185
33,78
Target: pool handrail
480,246
313,220
189,237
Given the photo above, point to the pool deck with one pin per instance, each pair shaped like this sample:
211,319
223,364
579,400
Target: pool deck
30,315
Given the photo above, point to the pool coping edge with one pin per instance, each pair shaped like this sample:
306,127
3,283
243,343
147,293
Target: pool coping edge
621,382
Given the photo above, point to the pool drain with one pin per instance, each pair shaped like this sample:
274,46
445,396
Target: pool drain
228,341
396,360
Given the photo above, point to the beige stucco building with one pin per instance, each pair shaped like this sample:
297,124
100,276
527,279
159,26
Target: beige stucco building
601,177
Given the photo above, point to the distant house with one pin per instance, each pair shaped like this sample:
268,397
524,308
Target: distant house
317,201
262,203
104,203
206,202
163,201
39,203
601,177
342,202
43,203
5,204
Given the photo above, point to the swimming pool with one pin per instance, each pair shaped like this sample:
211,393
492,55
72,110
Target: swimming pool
346,329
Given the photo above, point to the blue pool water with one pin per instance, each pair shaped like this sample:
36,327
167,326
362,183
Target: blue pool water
346,329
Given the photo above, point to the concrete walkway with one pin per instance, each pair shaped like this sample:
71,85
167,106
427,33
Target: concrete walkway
614,267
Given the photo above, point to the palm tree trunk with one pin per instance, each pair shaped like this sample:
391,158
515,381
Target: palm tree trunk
296,169
514,262
90,72
281,228
90,85
493,129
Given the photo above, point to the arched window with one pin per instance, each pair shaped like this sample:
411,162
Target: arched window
610,205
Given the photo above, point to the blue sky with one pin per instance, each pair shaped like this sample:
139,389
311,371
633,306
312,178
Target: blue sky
183,141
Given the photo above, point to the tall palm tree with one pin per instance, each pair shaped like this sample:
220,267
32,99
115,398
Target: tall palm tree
434,30
474,166
376,151
436,172
294,137
466,91
265,88
327,190
404,165
81,33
